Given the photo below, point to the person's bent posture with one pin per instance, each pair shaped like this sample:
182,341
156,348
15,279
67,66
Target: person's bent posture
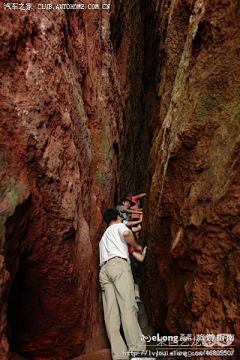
117,285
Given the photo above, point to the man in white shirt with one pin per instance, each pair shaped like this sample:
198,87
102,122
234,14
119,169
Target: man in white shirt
117,285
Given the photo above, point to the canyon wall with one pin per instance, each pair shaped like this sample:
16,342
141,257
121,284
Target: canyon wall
98,103
193,207
66,80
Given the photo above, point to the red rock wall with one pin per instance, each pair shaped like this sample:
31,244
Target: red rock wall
192,221
85,95
64,90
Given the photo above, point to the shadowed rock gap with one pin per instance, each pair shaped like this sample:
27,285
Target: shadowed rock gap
140,105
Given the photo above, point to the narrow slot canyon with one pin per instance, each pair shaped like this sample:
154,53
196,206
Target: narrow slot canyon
97,103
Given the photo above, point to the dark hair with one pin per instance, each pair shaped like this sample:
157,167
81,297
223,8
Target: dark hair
111,215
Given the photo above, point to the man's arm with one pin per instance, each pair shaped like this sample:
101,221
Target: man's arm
138,256
132,222
130,239
139,211
139,196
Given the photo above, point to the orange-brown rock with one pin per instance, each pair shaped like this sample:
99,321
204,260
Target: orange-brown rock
193,207
95,104
67,78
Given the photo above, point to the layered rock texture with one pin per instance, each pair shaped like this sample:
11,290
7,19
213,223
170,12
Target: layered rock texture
96,103
193,209
64,89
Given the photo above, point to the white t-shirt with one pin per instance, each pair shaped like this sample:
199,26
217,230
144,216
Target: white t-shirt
113,243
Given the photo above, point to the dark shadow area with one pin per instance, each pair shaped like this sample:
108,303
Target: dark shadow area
15,255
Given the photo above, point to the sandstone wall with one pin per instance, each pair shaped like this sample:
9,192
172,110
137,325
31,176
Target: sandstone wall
192,221
85,96
66,77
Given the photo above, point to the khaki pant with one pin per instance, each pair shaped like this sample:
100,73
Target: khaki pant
119,306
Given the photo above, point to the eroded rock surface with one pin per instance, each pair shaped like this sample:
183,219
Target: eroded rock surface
193,210
64,85
85,96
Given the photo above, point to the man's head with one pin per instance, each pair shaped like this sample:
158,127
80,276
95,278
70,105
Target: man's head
112,215
126,203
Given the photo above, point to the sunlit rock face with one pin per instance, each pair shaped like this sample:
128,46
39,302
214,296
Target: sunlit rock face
193,208
66,77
